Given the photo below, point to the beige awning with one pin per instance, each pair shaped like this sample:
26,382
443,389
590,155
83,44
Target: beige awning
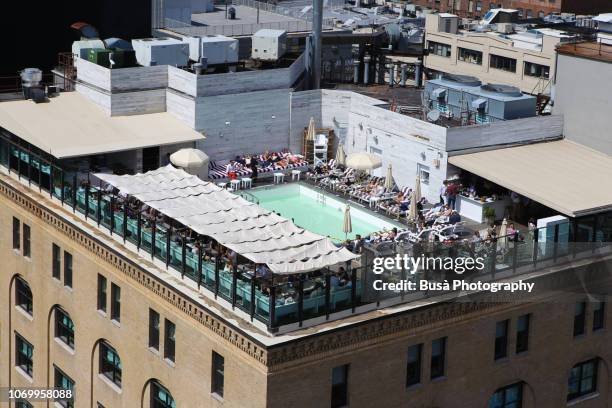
563,175
71,125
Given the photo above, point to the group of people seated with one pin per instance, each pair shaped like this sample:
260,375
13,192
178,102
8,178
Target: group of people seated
253,165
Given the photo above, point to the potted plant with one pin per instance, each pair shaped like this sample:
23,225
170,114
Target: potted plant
489,215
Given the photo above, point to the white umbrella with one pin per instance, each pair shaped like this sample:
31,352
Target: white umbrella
340,156
503,231
417,188
189,159
363,161
412,210
389,179
310,134
347,227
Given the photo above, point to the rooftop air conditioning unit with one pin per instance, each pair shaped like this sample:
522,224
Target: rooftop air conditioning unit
505,28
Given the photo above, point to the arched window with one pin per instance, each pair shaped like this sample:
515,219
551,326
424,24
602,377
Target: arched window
160,396
510,396
582,379
64,327
110,363
23,296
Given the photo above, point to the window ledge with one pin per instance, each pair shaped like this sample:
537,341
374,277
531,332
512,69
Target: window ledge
216,396
116,323
102,313
24,313
24,374
582,399
111,384
170,362
154,350
69,288
438,379
414,387
64,345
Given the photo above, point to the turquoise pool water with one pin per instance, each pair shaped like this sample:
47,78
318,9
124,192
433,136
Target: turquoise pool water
316,212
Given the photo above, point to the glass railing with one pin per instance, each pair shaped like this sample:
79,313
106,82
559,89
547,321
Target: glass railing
282,300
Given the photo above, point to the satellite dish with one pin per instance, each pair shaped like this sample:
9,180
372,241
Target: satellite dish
433,115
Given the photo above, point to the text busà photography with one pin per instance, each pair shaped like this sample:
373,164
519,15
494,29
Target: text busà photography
306,204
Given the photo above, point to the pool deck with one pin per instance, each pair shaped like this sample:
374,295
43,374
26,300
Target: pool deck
337,196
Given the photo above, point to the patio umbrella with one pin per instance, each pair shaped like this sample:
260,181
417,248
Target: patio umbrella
363,161
503,231
310,134
340,156
347,227
389,179
417,188
189,159
412,210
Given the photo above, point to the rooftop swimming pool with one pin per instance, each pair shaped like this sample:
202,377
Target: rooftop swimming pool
318,212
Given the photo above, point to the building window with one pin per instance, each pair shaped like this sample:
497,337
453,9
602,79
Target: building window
582,379
541,14
56,254
16,234
102,293
510,396
153,329
503,63
26,241
23,404
479,6
471,56
115,302
471,6
579,318
169,340
438,358
67,269
24,353
598,315
63,382
110,363
414,365
23,296
522,333
64,327
501,339
339,397
529,13
442,50
536,70
161,397
423,173
520,12
218,367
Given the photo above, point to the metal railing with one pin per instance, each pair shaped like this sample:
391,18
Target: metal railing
280,301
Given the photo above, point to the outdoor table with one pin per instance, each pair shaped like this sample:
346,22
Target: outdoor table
279,178
295,174
247,182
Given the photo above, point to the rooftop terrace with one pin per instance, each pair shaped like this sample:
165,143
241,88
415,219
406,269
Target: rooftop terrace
591,50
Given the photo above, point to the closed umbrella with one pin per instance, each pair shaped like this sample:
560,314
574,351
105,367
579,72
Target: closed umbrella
412,210
347,227
310,134
389,179
189,159
503,231
417,188
363,161
340,156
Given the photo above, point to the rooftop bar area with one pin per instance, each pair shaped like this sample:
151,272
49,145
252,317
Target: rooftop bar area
280,276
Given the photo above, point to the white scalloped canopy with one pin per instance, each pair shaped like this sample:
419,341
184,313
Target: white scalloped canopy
252,231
